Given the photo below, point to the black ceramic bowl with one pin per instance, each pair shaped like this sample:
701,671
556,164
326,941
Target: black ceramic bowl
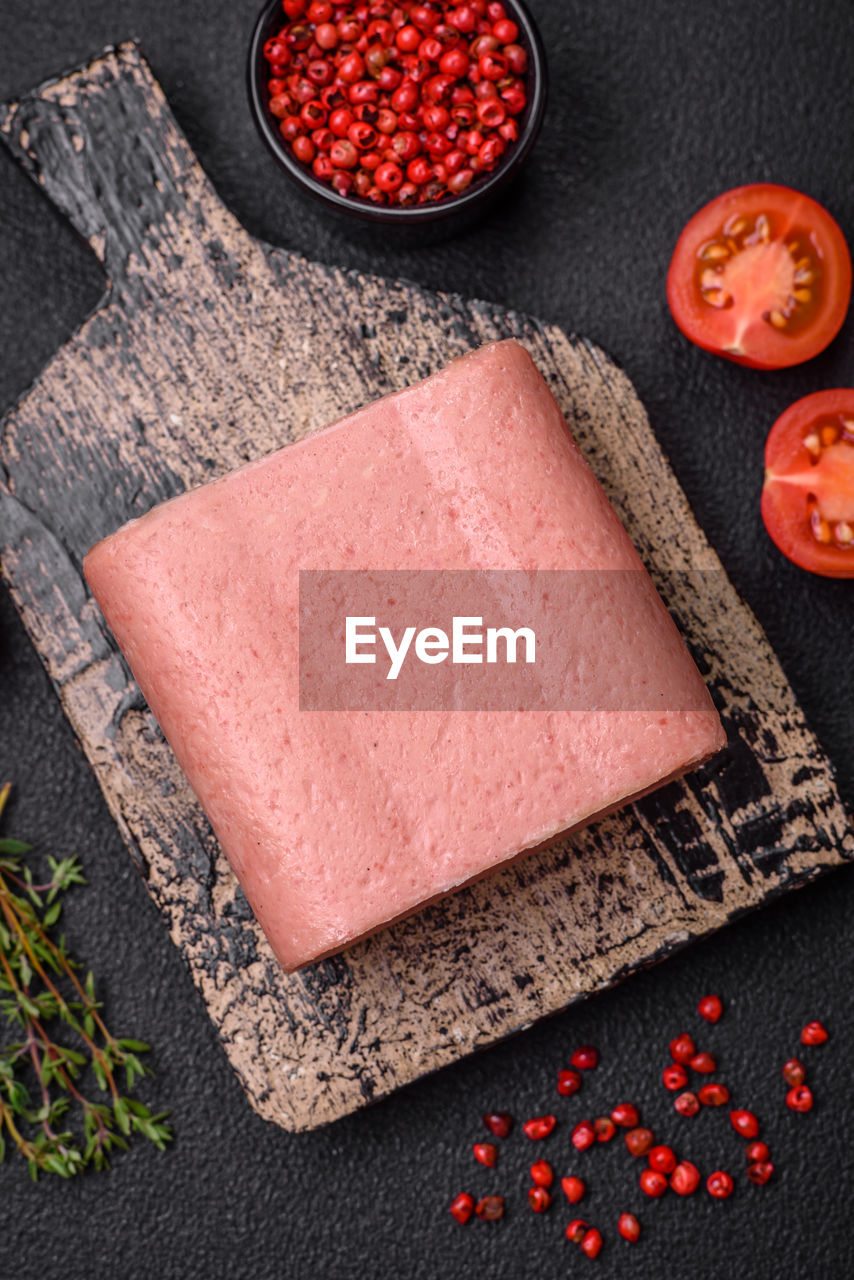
448,214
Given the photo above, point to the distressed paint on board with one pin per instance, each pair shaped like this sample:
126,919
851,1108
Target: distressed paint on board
198,360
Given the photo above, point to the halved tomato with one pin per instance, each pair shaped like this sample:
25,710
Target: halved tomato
761,275
808,495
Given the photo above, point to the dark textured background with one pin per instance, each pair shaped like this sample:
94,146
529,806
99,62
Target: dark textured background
654,109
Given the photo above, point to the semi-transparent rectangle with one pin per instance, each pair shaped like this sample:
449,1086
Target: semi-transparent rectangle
604,641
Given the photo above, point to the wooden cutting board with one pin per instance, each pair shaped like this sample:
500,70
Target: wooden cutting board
210,349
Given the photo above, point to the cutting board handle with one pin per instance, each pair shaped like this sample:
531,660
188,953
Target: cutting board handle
104,146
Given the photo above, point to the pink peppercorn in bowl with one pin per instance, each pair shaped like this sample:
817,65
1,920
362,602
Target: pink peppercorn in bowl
421,112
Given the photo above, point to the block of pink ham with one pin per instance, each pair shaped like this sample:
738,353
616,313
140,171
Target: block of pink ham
338,822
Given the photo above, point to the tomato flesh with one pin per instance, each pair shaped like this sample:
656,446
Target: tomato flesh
808,495
761,275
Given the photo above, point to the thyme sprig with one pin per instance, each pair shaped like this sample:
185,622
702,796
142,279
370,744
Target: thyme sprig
45,1085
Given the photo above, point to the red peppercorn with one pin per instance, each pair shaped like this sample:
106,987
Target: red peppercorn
464,19
462,1207
704,1063
423,17
576,1230
323,168
719,1185
639,1141
419,171
710,1008
362,135
541,1126
685,1178
591,1244
304,149
291,127
326,36
542,1174
625,1115
682,1049
760,1172
628,1227
585,1058
794,1072
485,1153
813,1033
294,8
653,1183
568,1083
514,98
662,1159
539,1199
490,1208
491,112
408,39
495,11
687,1104
517,59
756,1152
454,62
800,1098
573,1188
343,182
460,181
583,1136
343,154
713,1095
604,1128
744,1123
371,160
674,1077
319,11
499,1123
389,177
340,121
322,139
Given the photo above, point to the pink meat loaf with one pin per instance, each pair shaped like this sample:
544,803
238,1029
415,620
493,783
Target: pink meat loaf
337,822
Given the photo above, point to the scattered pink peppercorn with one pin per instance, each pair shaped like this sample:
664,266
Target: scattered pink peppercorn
499,1123
756,1152
583,1135
760,1172
629,1227
800,1098
720,1185
585,1058
685,1178
542,1174
794,1072
710,1008
682,1049
662,1159
573,1188
744,1123
713,1095
576,1230
462,1207
538,1128
490,1208
639,1141
625,1115
539,1199
704,1063
813,1033
604,1128
485,1153
653,1183
674,1077
591,1244
568,1083
687,1104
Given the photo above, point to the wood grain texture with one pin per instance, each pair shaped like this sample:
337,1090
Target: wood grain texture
211,349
